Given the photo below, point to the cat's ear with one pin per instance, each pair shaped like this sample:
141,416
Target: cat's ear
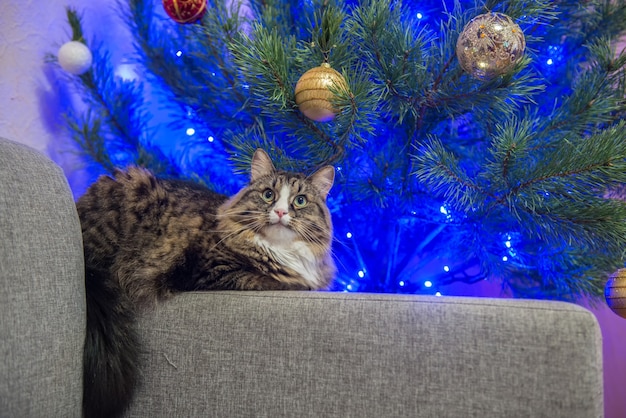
261,165
323,179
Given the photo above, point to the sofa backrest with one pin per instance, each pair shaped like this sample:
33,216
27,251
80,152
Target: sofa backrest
42,307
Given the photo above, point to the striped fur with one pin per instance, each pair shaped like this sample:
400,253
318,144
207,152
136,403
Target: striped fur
146,238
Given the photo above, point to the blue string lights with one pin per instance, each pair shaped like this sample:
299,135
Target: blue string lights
394,230
442,271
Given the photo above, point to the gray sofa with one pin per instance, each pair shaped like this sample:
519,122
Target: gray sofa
277,354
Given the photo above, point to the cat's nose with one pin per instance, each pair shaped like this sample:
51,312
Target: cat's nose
280,212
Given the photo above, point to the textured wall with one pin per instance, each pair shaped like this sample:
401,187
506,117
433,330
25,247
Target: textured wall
30,93
28,29
30,113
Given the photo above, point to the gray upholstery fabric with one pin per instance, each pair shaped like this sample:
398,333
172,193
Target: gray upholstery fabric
42,288
298,354
277,354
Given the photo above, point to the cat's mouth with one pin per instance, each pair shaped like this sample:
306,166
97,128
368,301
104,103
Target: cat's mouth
284,221
278,233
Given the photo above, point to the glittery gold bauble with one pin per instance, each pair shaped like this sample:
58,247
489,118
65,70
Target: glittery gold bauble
490,45
615,292
313,94
185,11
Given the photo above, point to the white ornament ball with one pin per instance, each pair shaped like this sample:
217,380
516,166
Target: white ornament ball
75,57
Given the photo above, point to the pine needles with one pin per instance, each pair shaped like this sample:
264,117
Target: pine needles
512,176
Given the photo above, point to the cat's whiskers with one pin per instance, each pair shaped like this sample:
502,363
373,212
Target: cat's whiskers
308,235
311,231
232,234
240,215
341,243
238,212
217,244
255,225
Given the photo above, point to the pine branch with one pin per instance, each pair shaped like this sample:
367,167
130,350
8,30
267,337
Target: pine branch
114,115
184,63
439,170
75,21
508,178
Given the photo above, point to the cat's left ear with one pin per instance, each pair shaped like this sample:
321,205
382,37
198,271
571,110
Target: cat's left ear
323,179
261,165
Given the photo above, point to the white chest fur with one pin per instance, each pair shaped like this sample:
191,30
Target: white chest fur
295,256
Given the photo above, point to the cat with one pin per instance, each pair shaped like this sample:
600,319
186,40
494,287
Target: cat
147,238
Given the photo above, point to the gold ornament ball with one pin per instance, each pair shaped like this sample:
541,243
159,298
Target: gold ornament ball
615,292
490,45
313,94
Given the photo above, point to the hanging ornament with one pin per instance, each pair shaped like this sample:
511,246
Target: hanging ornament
615,292
185,11
74,57
313,94
490,45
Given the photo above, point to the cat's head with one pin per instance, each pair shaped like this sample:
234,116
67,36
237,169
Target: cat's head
283,208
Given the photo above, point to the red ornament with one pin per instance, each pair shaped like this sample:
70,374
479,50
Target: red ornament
185,11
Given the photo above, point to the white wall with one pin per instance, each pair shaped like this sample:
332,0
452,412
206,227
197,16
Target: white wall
30,94
30,113
28,29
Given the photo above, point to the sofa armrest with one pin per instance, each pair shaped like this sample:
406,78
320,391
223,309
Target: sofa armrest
42,288
318,354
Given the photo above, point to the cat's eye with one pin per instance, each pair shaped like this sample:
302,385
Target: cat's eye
300,201
268,195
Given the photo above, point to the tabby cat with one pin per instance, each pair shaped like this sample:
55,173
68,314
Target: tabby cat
146,238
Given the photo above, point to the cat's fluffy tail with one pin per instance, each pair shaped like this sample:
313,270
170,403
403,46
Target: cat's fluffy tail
112,351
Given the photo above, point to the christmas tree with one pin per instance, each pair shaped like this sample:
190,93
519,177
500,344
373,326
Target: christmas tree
471,140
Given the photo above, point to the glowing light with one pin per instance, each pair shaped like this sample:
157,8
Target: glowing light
349,287
507,244
446,268
126,72
419,15
549,61
428,283
349,235
190,131
505,258
361,273
179,53
438,294
211,139
443,210
401,283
